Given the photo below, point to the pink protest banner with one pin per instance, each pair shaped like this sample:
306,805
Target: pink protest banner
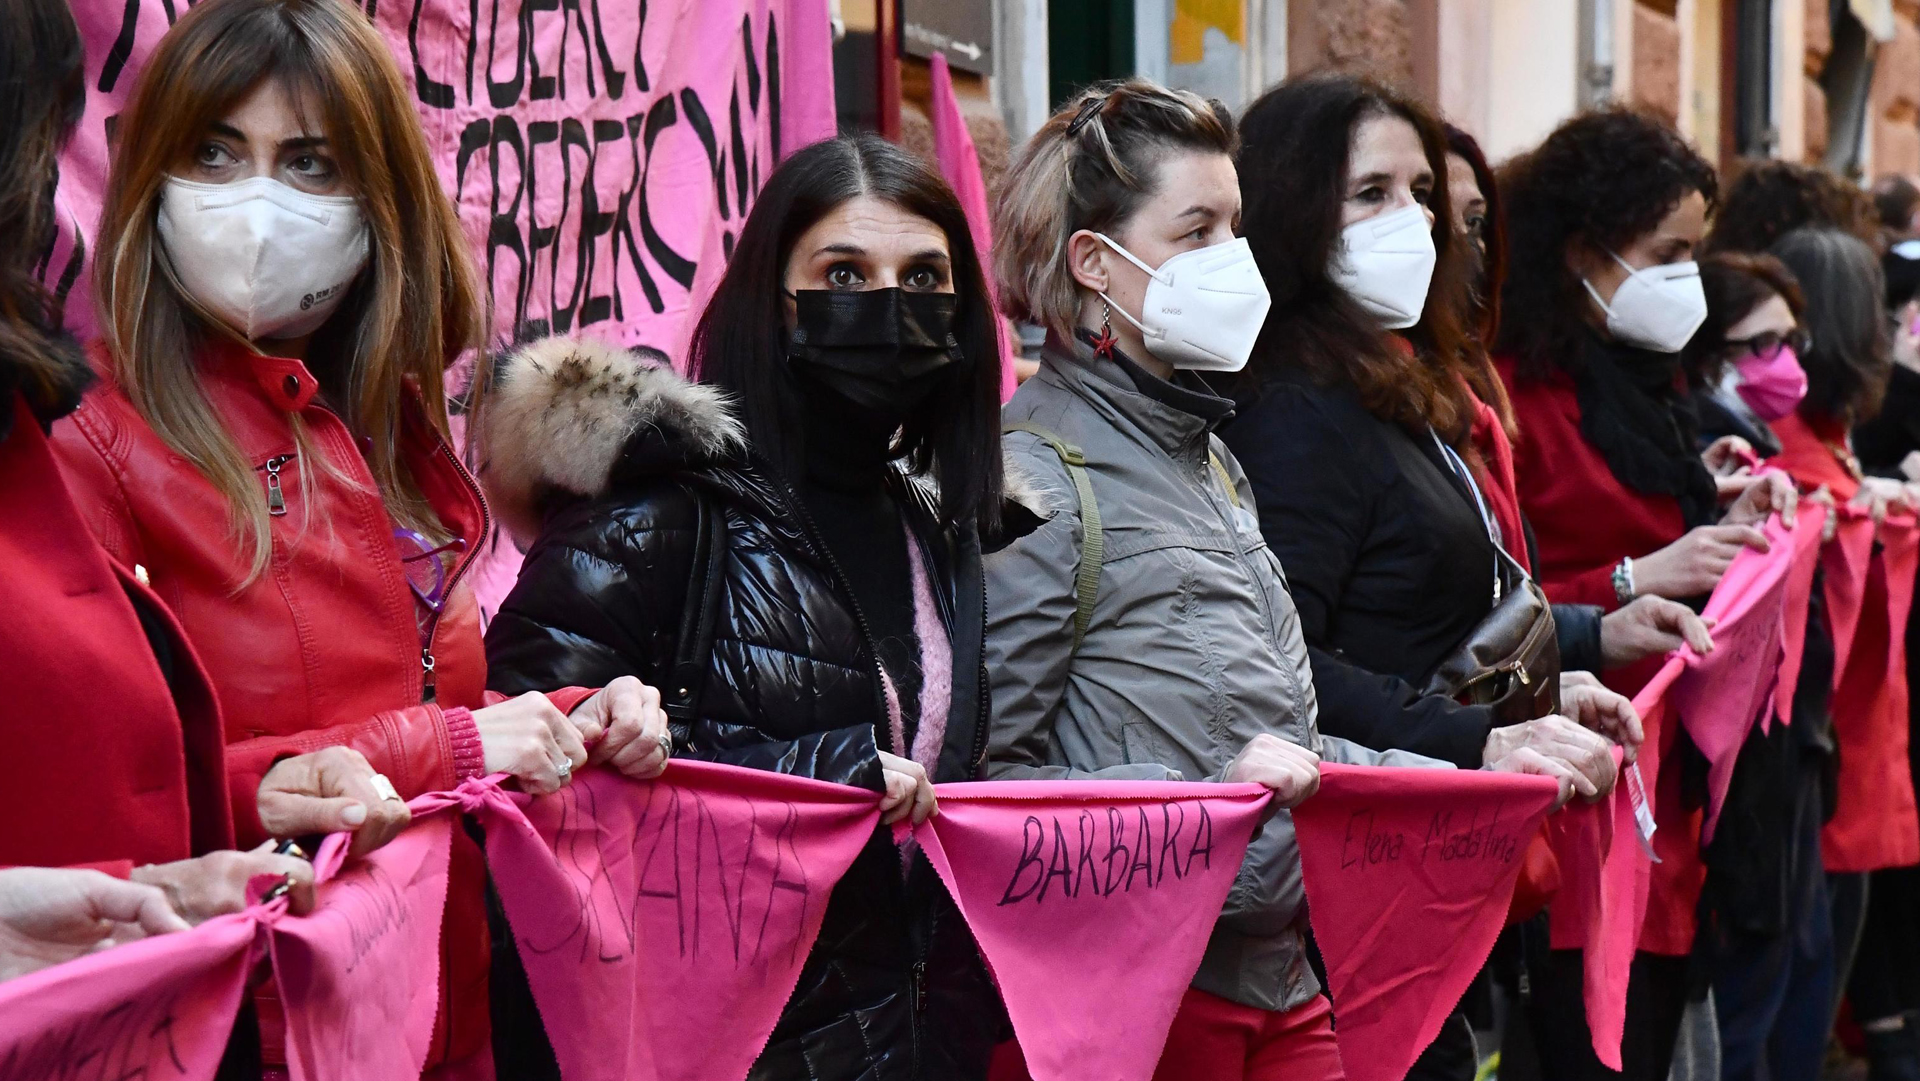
1723,693
960,162
1408,875
1092,902
1874,825
160,1008
359,976
597,152
639,905
1605,879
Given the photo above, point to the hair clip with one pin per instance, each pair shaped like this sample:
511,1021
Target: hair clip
1087,112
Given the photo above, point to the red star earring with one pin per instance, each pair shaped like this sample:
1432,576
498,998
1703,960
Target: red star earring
1103,345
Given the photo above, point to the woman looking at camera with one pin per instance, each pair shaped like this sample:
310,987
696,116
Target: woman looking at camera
282,284
814,508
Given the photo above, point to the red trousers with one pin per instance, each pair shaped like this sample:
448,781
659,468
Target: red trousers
1216,1040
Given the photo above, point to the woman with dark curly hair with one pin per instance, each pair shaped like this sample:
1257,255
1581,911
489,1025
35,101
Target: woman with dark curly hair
1603,219
1770,198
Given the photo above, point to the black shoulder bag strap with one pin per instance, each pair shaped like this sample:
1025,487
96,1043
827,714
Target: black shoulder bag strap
699,614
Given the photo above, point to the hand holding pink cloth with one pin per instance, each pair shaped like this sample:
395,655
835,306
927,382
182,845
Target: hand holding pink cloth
1408,875
644,910
1092,902
359,976
160,1008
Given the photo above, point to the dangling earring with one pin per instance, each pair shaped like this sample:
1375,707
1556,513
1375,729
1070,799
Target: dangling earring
1103,345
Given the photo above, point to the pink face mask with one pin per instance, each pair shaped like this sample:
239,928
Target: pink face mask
1772,386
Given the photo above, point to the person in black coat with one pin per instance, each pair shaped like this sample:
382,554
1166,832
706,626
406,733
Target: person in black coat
790,548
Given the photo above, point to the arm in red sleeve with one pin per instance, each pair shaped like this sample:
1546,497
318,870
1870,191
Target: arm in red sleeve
1587,587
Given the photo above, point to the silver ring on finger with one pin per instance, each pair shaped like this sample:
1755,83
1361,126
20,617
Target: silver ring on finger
564,768
665,739
383,787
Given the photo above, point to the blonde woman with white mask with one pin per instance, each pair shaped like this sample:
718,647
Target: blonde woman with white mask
1116,231
282,283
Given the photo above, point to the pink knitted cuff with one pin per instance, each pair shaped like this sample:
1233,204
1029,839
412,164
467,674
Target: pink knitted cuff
469,760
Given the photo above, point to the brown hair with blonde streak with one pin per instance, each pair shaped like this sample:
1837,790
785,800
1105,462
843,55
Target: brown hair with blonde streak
415,308
1089,167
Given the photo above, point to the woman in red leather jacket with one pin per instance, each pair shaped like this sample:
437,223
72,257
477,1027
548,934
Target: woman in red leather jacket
281,284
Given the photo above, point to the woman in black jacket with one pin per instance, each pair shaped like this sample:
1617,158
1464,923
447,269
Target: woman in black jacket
1354,422
790,547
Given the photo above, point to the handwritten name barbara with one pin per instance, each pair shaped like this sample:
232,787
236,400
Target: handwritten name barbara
1368,843
1108,850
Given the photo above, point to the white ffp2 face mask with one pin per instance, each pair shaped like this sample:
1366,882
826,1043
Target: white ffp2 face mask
1657,307
269,261
1386,263
1203,309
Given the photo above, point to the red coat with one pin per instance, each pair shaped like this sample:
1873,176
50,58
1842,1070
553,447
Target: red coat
1584,522
117,770
324,648
1875,824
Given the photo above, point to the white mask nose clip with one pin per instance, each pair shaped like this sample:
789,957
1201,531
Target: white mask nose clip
263,258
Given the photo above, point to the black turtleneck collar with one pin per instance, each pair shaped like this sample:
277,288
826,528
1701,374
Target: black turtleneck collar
844,449
1634,410
1186,391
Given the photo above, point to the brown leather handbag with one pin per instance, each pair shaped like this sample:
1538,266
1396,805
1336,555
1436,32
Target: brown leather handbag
1511,660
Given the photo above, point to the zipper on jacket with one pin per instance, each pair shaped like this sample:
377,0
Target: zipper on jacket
426,674
427,690
276,499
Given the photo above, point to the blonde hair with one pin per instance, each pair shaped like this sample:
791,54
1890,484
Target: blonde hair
412,312
1089,167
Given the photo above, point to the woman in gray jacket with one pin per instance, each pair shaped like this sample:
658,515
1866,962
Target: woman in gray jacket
1146,631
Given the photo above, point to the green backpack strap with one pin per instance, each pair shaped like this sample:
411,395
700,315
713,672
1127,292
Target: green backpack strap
1086,580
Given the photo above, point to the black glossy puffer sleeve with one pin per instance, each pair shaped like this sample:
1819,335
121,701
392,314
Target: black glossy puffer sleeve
600,596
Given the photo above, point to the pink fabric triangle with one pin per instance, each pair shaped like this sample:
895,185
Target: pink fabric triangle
637,905
1605,877
1846,563
359,976
158,1007
1093,902
1408,875
1723,693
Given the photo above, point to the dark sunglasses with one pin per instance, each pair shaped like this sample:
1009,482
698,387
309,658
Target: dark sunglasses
426,569
1766,346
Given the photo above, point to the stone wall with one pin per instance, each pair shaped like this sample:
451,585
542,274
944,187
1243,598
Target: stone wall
1896,96
1368,37
1656,60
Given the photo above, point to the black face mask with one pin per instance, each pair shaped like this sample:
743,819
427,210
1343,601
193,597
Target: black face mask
883,350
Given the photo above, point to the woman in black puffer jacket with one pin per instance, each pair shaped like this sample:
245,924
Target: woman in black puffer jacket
791,549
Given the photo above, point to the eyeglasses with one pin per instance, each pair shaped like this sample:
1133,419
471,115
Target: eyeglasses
425,565
1767,345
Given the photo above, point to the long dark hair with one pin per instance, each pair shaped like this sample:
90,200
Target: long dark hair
1603,178
1293,177
954,437
1851,358
42,75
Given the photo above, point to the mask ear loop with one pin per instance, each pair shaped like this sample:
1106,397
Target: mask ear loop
1110,306
1606,308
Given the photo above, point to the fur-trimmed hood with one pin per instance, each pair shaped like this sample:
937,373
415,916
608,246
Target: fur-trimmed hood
562,413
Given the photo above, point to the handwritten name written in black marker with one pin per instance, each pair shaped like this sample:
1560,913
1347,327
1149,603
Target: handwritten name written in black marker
1367,844
1108,850
130,1040
729,869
